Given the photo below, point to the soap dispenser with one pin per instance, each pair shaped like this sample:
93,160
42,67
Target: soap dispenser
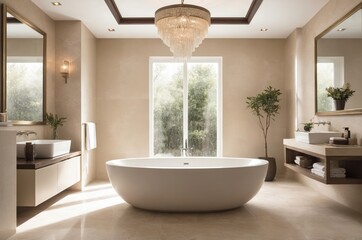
29,151
347,133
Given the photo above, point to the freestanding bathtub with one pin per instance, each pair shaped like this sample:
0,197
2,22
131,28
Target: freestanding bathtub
193,184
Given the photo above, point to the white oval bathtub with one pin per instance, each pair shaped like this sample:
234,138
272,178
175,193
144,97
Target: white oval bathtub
193,184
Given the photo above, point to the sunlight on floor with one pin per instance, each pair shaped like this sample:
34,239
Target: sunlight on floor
282,210
93,198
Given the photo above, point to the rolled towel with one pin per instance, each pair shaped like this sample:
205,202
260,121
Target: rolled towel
300,157
338,175
306,162
338,170
319,165
318,172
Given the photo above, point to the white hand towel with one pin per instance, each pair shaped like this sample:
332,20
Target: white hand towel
297,161
90,136
319,165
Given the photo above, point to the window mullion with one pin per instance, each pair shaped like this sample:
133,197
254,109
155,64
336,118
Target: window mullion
185,106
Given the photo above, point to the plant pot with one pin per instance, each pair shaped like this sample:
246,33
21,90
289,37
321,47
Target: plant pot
272,168
339,104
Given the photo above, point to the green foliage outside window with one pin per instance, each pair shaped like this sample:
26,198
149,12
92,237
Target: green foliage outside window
24,91
168,110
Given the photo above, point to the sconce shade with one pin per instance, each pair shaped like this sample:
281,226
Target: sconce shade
64,70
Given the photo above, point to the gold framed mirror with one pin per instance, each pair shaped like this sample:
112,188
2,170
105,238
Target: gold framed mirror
338,58
23,82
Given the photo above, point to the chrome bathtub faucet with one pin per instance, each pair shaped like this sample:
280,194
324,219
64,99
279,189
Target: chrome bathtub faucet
25,132
185,150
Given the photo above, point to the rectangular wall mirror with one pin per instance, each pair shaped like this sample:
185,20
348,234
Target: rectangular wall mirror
338,62
23,81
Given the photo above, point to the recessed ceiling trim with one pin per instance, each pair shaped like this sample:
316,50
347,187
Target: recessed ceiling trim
214,20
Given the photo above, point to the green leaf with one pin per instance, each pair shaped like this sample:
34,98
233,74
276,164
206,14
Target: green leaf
54,121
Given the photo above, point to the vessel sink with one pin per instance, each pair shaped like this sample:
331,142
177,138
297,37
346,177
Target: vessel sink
45,148
316,137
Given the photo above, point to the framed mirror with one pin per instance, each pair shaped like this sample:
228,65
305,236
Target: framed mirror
338,59
24,68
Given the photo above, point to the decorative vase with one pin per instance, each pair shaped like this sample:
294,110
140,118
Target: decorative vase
54,133
339,104
272,168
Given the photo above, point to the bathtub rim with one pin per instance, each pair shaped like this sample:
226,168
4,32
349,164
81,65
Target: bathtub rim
116,163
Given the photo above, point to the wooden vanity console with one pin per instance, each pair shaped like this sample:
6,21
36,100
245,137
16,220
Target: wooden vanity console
345,156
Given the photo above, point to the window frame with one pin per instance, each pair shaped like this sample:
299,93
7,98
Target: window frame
219,99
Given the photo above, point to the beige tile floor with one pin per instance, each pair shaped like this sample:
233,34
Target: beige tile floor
281,210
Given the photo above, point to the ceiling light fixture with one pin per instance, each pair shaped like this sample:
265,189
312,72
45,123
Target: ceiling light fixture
111,30
182,27
341,29
263,30
56,3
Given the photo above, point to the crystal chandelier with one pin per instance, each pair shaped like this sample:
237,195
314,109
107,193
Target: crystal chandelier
182,27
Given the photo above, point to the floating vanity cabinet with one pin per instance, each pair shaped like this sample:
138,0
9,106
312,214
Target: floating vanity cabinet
42,179
345,156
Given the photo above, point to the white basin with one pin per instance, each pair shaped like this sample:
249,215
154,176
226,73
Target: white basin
316,137
45,148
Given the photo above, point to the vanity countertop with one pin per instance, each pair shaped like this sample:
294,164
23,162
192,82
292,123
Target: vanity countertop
40,163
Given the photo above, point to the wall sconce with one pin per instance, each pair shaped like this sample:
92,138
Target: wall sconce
64,70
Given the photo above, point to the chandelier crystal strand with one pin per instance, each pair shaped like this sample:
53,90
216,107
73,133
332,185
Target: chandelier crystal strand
182,27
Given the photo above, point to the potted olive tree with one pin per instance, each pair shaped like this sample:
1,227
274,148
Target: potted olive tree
265,106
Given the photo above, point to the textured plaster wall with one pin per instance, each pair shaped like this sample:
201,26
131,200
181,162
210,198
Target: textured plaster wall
249,65
88,99
76,99
68,96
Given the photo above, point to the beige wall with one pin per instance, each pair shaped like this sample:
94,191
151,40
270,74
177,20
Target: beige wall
68,95
76,99
292,73
249,65
301,45
88,98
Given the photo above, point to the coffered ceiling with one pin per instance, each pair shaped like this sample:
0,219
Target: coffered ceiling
280,17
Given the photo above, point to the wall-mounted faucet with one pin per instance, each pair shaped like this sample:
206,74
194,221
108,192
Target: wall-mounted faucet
185,150
25,132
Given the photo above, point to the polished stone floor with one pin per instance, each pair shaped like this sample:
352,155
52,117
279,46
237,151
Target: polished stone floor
281,210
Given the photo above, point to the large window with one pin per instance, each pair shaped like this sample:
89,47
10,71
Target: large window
185,107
